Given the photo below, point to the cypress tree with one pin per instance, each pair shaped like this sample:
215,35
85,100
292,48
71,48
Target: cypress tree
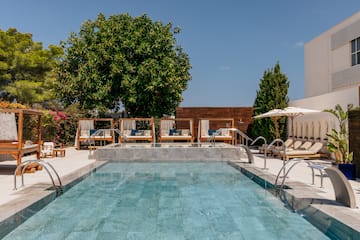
272,93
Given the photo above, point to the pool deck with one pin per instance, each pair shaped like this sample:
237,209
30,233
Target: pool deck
77,163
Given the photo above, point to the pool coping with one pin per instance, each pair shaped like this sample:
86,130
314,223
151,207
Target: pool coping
34,197
327,215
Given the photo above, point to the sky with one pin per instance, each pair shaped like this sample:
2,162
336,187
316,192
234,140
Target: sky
230,43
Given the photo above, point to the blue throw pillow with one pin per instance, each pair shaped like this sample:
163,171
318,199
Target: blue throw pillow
92,131
172,132
211,132
133,132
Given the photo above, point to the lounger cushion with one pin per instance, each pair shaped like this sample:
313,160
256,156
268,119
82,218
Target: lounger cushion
84,133
185,132
139,133
127,132
107,132
225,132
164,133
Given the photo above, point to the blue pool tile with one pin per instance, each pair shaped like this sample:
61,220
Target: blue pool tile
23,234
89,235
166,201
170,235
111,235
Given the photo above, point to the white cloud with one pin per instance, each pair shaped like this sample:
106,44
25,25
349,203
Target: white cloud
225,68
299,44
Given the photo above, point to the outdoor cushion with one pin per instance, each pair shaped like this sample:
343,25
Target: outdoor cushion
133,132
225,132
172,132
139,133
127,132
92,131
211,132
84,133
164,133
185,132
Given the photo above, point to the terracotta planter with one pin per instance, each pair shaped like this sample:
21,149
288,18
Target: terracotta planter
348,169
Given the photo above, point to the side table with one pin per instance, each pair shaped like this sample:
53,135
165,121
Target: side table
59,151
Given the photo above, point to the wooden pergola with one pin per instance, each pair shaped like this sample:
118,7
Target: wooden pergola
85,134
18,146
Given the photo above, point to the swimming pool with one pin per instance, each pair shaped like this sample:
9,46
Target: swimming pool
198,200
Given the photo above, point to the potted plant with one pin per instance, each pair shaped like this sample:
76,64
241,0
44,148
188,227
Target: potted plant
339,142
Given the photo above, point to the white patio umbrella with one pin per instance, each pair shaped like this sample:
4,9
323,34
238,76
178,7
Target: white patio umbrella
290,112
293,112
274,114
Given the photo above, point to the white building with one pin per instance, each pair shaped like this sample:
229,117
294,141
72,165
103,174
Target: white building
332,72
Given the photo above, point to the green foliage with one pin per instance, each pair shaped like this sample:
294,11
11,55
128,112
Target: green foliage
272,93
339,139
73,114
26,69
60,126
126,60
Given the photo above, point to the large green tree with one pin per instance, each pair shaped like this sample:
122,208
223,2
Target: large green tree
27,71
122,59
272,93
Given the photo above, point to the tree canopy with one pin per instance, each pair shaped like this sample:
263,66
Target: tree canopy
122,59
26,69
272,93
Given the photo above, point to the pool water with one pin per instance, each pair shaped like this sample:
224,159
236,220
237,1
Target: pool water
166,201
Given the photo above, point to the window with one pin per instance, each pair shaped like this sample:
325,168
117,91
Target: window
355,51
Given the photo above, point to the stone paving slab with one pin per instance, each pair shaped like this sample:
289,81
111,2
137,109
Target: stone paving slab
303,193
65,166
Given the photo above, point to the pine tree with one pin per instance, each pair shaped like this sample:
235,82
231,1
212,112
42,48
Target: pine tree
26,68
272,93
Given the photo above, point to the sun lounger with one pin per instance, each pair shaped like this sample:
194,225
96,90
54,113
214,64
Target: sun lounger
137,129
12,142
287,144
209,129
88,127
179,129
313,152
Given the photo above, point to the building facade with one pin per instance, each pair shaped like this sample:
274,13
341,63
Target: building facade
332,73
332,67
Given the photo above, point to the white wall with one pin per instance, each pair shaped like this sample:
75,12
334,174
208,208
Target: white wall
318,124
327,59
317,66
329,100
341,58
329,78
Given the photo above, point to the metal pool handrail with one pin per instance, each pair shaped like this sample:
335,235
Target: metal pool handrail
284,149
343,191
265,150
248,152
45,165
242,134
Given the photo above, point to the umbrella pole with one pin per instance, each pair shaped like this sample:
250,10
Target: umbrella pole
292,130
